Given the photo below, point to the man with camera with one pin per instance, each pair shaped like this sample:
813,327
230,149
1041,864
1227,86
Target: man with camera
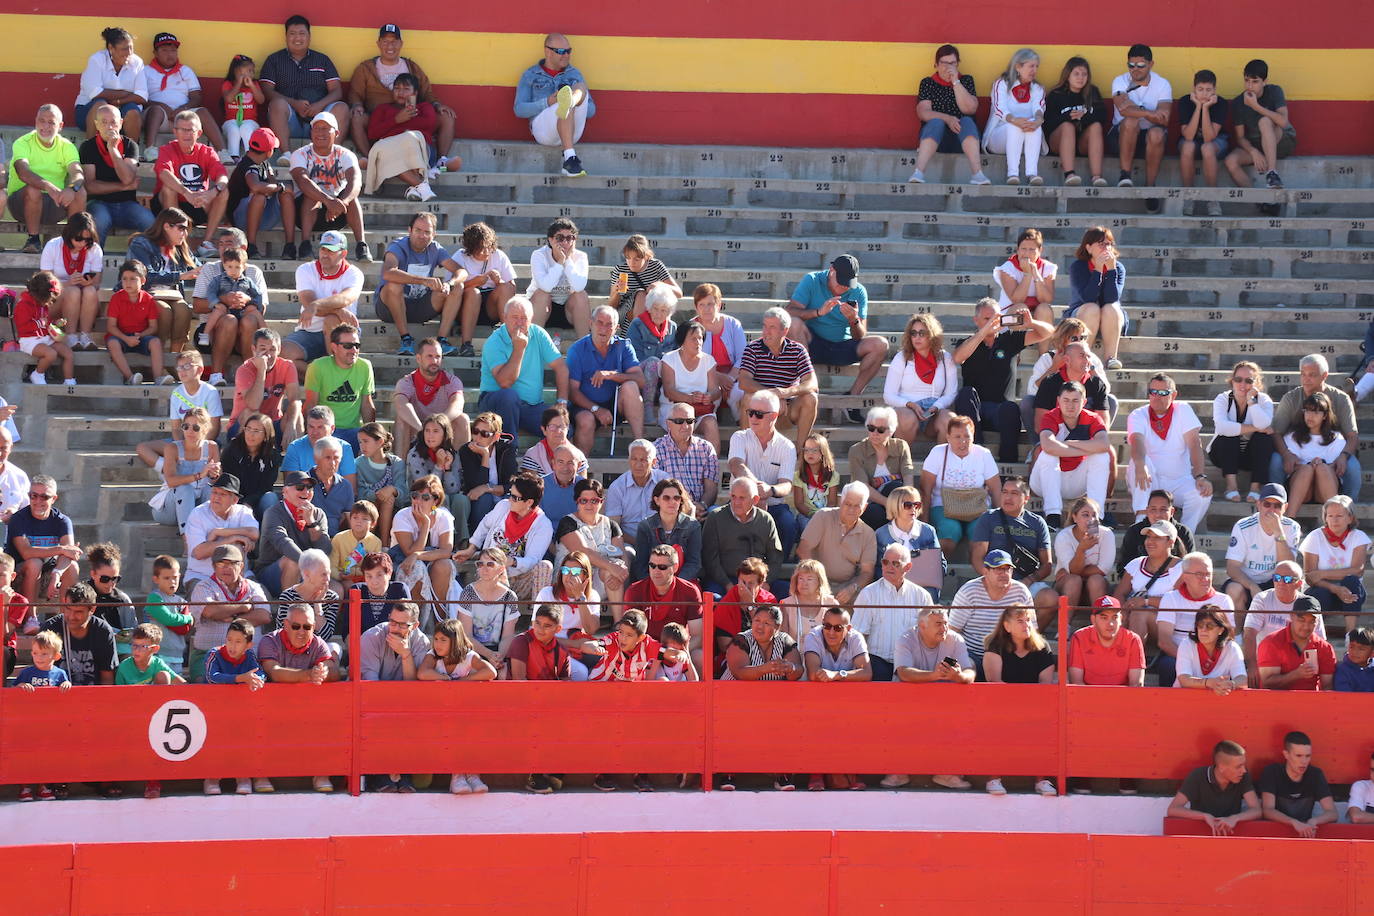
1024,537
988,359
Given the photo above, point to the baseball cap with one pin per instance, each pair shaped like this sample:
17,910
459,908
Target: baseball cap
263,140
165,38
334,240
226,482
997,558
846,269
1306,604
227,552
1273,491
390,28
327,118
1106,601
292,478
1162,528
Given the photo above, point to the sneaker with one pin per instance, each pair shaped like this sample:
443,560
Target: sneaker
59,792
1072,180
32,245
1036,181
854,415
476,785
466,349
458,784
572,167
1252,496
382,784
1125,181
207,249
167,380
212,787
565,102
203,339
226,157
26,794
1013,179
995,787
555,780
306,251
979,178
413,193
1099,181
1128,787
323,784
783,783
37,378
1212,208
253,252
1055,521
425,192
434,172
282,161
407,347
152,789
642,783
1113,363
538,783
361,252
150,153
242,786
856,784
288,252
952,782
917,177
1270,209
604,783
135,379
726,782
1272,179
446,348
217,379
1046,788
895,781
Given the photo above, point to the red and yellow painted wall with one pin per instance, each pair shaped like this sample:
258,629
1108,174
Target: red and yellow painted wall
757,72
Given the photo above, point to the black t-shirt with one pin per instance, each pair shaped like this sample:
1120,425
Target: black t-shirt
1218,114
1047,395
238,180
90,155
1133,545
1271,97
1295,799
941,95
109,605
376,608
85,658
1016,670
988,369
1060,104
1205,795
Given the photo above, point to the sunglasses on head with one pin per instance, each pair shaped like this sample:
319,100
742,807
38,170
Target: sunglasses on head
660,566
679,421
301,626
873,428
1287,580
757,414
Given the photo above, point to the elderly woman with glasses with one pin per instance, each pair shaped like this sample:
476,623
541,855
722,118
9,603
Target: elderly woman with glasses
489,462
882,462
1210,659
598,536
518,526
165,249
922,381
422,542
188,467
75,258
1243,416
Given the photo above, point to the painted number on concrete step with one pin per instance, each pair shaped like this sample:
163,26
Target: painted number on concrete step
177,730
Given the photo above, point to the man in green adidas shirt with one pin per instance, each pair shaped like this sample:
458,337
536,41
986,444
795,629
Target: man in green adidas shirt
343,382
46,182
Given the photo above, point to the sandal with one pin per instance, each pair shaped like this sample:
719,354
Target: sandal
1252,496
1232,496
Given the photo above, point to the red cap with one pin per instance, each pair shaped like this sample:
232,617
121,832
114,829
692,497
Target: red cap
263,140
1107,601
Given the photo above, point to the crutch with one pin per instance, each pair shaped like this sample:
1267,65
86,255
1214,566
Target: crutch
615,412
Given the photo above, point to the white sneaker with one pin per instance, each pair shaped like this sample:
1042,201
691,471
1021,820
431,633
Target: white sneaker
69,382
895,781
458,785
83,340
979,178
952,782
37,378
263,784
136,379
1036,180
225,157
284,161
1046,788
243,786
212,787
203,339
1013,179
995,787
216,379
426,192
413,193
166,380
475,783
150,153
917,177
324,784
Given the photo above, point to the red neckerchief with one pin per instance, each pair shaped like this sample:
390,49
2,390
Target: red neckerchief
286,643
301,517
940,79
925,365
517,528
548,71
166,73
71,260
658,331
719,352
813,478
1208,662
105,150
425,392
1160,424
1333,540
1021,92
236,598
229,659
548,451
1183,589
319,269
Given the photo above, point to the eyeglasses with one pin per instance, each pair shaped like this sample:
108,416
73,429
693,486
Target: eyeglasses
40,496
140,647
400,624
660,566
1242,380
1140,66
919,332
1287,580
563,236
758,414
487,564
187,367
911,504
572,570
670,497
301,626
483,432
354,345
876,429
588,500
106,580
191,427
567,50
424,497
1161,392
835,627
1078,338
679,421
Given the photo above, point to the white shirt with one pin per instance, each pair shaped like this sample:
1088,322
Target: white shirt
892,613
1170,455
14,488
1013,272
1260,414
1042,368
498,262
904,386
1330,556
209,634
1147,97
1181,611
1103,556
1361,795
330,171
558,280
10,424
1313,448
100,75
308,279
1162,586
1268,615
200,523
571,619
1231,664
51,259
206,397
405,521
180,85
958,473
686,380
1257,552
490,533
771,463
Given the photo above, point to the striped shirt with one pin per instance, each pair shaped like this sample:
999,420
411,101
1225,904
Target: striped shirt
975,614
784,370
770,462
693,469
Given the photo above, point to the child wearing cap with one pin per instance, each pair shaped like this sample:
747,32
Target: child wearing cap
257,200
242,95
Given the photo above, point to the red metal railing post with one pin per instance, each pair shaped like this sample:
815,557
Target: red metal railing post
355,677
1063,639
708,675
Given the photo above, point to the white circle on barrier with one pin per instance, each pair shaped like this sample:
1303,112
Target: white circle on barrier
177,730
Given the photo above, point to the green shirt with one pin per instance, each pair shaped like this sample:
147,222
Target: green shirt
49,163
340,389
127,674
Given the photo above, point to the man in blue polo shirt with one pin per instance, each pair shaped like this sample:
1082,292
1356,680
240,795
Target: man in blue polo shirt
513,363
833,307
601,365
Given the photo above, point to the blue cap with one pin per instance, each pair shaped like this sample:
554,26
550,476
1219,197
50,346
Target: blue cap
997,558
1273,491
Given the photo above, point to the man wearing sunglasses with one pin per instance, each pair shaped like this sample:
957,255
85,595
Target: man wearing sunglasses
1144,100
1271,611
39,535
887,608
665,598
1258,543
296,655
689,458
345,382
554,98
290,528
1165,451
986,360
768,461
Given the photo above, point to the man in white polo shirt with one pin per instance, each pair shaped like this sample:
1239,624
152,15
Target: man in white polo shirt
768,459
1178,609
1166,453
1256,546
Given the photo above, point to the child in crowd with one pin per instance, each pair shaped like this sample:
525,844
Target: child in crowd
142,668
1202,131
634,276
380,475
379,592
166,608
490,282
674,636
351,547
47,651
235,662
191,393
38,337
14,611
230,286
1017,120
1263,133
453,658
1355,674
652,335
241,95
131,325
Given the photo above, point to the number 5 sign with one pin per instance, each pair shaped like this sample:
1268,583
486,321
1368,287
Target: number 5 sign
177,730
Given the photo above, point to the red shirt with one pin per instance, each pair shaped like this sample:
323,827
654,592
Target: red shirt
279,377
729,617
1277,650
1089,425
30,318
1106,666
15,610
197,170
383,122
617,666
681,604
242,101
133,317
542,663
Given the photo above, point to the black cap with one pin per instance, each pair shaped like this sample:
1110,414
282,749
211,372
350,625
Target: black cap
1306,604
846,269
165,38
390,28
227,482
293,478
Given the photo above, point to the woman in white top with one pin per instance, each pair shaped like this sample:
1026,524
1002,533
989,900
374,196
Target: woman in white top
688,376
1243,417
558,276
518,526
1317,446
1149,578
1027,279
1084,555
1333,560
578,606
1209,658
452,658
114,75
1068,331
76,259
1016,120
922,381
491,278
803,609
958,464
422,542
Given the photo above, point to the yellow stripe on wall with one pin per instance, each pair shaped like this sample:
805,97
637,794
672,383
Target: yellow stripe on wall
750,65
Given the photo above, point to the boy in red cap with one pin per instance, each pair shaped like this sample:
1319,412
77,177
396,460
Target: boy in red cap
256,198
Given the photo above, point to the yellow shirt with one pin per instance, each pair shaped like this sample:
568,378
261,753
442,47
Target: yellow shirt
346,555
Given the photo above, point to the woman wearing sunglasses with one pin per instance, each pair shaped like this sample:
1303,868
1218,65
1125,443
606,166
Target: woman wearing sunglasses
75,258
489,464
112,604
904,526
1244,419
165,249
518,526
487,609
572,596
188,468
674,523
598,536
422,543
922,381
882,462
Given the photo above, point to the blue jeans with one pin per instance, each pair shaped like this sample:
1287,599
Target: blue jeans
265,502
515,414
1166,666
126,214
938,131
350,436
1350,480
269,577
790,526
1330,603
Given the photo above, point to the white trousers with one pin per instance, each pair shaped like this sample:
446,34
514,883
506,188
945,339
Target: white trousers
1056,486
236,136
1016,143
1191,505
544,125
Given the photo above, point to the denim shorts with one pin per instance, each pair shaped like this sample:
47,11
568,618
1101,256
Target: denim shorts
938,131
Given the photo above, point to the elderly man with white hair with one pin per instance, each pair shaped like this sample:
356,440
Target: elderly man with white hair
628,497
603,376
735,532
1178,611
333,492
777,364
1312,375
887,608
768,459
46,182
513,363
843,544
